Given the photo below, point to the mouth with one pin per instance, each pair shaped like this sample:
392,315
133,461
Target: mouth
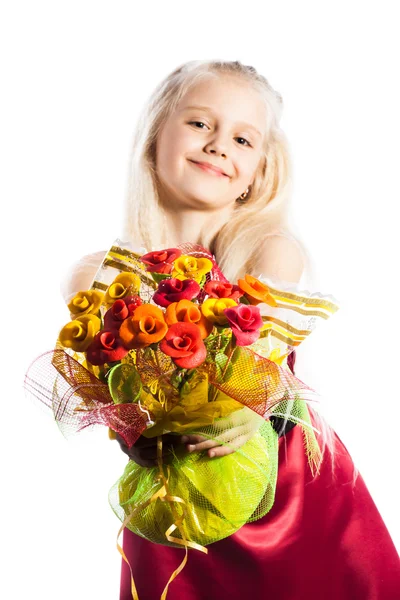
209,168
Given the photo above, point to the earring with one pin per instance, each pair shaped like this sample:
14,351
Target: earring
242,197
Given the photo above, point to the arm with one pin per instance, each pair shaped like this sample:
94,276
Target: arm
79,278
80,275
279,258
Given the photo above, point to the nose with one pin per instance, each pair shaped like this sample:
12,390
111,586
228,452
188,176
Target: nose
217,146
217,152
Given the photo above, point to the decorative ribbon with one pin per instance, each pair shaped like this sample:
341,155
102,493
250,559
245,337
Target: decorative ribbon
165,496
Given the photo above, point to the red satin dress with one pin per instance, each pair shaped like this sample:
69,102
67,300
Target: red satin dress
321,540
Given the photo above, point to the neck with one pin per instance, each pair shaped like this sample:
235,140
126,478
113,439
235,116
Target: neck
192,225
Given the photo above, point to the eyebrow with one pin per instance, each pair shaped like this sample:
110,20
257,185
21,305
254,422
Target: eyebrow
208,109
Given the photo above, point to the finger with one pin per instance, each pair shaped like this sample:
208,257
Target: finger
200,443
220,451
193,439
232,440
198,447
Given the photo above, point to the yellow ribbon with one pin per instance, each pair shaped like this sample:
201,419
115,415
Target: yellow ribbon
164,495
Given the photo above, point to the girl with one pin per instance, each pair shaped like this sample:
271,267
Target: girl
210,165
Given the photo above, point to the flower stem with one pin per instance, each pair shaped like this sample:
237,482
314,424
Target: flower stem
232,349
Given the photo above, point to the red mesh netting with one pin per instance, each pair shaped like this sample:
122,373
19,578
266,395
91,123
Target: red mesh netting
78,399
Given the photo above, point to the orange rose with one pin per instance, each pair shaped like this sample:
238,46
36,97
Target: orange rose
146,326
255,291
187,312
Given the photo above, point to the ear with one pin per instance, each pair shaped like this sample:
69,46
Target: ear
280,258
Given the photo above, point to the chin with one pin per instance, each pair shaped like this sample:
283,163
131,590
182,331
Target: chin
202,200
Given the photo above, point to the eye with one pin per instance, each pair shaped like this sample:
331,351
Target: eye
194,122
201,123
240,138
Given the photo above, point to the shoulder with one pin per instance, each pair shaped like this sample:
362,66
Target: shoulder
280,257
79,276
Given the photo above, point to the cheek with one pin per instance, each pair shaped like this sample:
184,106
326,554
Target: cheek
164,152
174,146
249,166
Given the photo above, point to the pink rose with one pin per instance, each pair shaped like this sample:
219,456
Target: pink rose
161,261
245,322
173,290
105,348
119,311
222,289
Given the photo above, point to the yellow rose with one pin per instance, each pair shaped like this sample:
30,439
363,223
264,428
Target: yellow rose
125,284
79,333
85,303
190,267
213,309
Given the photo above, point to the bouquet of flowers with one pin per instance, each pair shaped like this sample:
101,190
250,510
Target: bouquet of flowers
163,343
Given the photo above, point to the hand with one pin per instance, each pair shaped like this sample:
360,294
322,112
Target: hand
144,450
234,431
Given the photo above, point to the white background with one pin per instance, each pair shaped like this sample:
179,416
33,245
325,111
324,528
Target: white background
74,76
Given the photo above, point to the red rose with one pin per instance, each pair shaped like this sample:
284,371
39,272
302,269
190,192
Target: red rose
221,289
106,347
173,290
184,345
132,302
161,260
245,322
120,310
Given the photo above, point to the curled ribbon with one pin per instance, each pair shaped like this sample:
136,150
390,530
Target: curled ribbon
165,496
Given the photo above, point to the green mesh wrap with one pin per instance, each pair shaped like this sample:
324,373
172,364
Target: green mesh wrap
221,494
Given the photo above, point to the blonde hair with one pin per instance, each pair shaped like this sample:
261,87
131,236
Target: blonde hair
265,211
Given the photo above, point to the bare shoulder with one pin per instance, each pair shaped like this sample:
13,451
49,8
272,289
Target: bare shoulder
80,274
280,257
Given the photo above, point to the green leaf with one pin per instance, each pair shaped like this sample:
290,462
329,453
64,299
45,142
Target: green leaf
185,389
237,353
190,373
177,377
225,339
220,361
124,384
160,276
202,281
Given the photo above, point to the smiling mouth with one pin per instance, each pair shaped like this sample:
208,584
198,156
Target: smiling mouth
208,169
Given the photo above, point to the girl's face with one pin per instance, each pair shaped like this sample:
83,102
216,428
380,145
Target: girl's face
220,122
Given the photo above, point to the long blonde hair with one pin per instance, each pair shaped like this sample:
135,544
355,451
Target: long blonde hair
265,211
235,245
